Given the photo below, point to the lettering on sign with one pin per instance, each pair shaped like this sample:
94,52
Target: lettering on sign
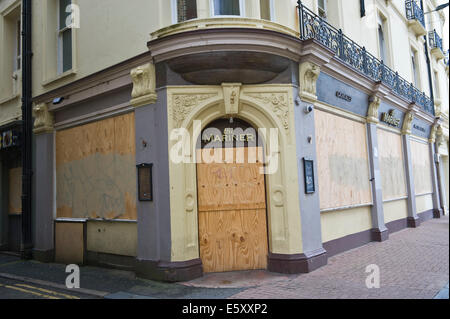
343,96
8,139
230,136
419,128
390,118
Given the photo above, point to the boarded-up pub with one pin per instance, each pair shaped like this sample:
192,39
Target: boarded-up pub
225,149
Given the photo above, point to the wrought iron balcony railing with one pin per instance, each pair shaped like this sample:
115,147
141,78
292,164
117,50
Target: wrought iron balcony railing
314,27
414,12
435,40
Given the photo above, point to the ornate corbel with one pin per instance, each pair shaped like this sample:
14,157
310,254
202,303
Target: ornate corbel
440,136
407,123
43,119
144,85
374,105
433,132
437,108
231,95
309,73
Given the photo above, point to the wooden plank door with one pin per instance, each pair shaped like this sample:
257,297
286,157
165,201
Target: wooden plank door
232,214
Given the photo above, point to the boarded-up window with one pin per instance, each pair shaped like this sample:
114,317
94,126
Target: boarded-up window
420,154
96,170
342,162
392,165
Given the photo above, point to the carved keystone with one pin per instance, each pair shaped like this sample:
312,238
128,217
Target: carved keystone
144,85
231,95
309,73
43,122
372,114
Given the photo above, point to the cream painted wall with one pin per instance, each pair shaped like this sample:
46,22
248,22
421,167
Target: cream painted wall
424,203
113,30
117,238
342,223
395,210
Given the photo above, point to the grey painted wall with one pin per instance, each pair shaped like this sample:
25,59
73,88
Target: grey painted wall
327,87
420,128
154,233
309,203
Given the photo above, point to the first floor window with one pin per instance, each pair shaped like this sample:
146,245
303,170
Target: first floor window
322,4
64,37
227,7
186,10
382,43
18,47
414,69
265,8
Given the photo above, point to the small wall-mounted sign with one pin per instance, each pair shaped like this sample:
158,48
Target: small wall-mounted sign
308,166
390,118
419,128
343,96
145,182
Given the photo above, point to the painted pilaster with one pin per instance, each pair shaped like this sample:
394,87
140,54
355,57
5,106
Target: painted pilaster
379,231
45,187
313,251
413,219
434,160
440,139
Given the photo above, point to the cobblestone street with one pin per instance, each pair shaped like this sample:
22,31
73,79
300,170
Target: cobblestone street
414,263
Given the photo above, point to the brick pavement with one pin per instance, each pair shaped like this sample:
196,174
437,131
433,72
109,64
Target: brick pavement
414,264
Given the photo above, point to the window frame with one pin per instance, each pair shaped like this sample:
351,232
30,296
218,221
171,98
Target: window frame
241,10
174,4
383,21
60,43
17,56
271,9
325,9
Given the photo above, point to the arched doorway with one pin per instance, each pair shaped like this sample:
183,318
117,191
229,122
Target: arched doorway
232,217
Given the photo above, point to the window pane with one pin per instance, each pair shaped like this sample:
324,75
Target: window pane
187,10
382,44
226,7
265,9
67,50
322,4
62,13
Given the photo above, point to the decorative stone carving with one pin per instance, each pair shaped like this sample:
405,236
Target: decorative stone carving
231,94
309,73
372,115
278,103
43,119
182,105
440,136
407,123
433,132
437,107
144,85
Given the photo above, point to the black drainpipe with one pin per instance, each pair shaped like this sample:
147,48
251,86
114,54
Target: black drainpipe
427,57
27,242
362,7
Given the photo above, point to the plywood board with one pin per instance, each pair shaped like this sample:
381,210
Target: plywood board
421,163
96,170
392,165
15,191
343,164
232,215
69,243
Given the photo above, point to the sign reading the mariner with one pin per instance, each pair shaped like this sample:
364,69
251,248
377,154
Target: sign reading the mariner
8,139
343,96
419,128
308,165
390,118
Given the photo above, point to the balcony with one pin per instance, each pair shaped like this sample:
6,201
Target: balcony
416,20
355,56
435,43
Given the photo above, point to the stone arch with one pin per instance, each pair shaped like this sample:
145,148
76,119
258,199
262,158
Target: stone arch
282,191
